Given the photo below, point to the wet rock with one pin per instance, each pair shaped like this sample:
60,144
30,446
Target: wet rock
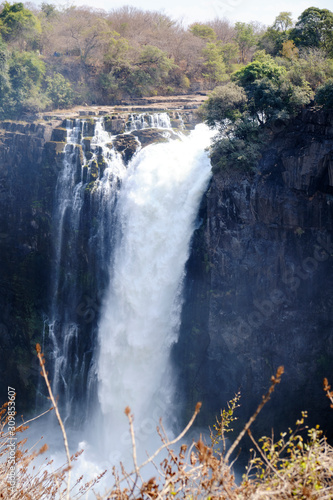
126,144
114,125
59,134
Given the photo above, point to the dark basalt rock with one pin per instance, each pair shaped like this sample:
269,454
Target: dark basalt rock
126,144
28,173
114,125
259,286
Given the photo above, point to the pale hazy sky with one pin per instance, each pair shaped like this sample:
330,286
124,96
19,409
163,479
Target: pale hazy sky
263,11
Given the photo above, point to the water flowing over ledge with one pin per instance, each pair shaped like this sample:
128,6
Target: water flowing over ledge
144,217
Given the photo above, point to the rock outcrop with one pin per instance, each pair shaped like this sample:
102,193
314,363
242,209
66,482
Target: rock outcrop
28,174
260,284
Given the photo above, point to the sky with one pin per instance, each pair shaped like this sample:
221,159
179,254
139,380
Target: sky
189,11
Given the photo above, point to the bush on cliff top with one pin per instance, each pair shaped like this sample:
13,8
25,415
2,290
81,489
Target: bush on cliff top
324,95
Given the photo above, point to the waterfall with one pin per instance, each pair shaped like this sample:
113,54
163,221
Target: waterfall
86,193
121,240
157,208
144,120
63,331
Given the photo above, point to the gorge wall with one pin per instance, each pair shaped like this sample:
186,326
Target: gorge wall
260,284
258,290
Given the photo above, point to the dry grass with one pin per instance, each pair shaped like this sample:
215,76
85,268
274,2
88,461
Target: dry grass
299,464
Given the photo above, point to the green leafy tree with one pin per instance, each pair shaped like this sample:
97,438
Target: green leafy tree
324,95
314,28
214,67
151,71
203,31
283,21
19,24
49,9
59,90
272,40
312,66
239,149
226,102
246,39
26,71
262,92
274,37
229,53
5,85
270,90
257,70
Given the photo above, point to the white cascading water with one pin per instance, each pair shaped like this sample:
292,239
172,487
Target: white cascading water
144,120
69,202
147,214
157,209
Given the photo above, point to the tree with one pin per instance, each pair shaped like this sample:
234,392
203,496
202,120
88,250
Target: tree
18,24
148,72
312,66
5,86
26,71
314,28
246,39
80,32
324,95
272,40
261,93
226,102
203,31
270,90
258,70
289,50
283,22
229,53
49,9
59,90
225,31
214,67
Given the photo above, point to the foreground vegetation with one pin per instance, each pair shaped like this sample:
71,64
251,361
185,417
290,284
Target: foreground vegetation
54,57
299,464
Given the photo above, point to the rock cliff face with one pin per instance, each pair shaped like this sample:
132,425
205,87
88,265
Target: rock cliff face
28,173
260,284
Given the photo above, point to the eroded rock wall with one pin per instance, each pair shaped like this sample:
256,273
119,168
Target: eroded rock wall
28,174
259,290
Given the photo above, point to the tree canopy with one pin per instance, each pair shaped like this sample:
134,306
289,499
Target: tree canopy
84,54
314,28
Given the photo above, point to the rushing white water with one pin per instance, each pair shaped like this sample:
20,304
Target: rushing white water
69,200
157,209
138,221
69,363
144,120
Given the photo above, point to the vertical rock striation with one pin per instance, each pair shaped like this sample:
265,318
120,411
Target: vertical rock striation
260,284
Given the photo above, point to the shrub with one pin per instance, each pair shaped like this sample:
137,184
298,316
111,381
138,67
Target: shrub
59,90
299,464
324,95
225,102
